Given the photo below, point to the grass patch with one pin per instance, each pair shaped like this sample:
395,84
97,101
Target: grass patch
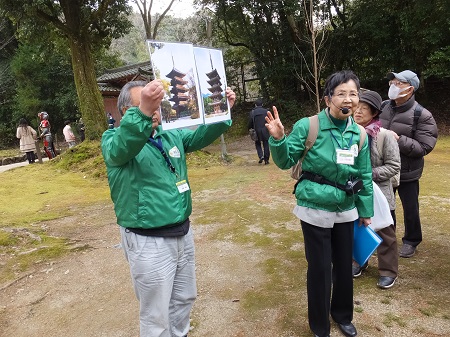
390,319
15,152
248,205
43,192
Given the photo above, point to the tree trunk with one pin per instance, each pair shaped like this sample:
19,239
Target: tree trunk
90,100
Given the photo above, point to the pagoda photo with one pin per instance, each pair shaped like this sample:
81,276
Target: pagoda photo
215,89
179,91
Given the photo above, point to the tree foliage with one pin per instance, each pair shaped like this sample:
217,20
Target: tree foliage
86,26
369,37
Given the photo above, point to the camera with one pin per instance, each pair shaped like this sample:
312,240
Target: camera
353,186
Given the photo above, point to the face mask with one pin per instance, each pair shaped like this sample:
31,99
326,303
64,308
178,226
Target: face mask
394,92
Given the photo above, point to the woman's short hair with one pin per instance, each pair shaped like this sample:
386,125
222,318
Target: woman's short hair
338,78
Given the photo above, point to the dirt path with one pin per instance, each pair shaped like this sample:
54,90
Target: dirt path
88,292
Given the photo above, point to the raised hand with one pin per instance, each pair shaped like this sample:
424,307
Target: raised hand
151,97
274,125
231,96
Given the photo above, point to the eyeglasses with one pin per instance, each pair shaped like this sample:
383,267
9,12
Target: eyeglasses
397,83
343,95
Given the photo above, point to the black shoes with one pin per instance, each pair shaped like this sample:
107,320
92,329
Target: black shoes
260,160
348,329
407,250
357,269
266,162
385,282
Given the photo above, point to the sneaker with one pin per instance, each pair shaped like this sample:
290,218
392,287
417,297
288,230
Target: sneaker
385,282
407,250
357,269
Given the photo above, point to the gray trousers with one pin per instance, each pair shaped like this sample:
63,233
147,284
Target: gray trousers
163,274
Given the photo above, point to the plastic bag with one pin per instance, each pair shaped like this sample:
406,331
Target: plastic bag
381,212
253,135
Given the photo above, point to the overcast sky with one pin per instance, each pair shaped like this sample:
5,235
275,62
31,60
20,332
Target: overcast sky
179,9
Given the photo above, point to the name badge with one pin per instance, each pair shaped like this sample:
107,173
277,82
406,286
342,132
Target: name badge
182,186
345,157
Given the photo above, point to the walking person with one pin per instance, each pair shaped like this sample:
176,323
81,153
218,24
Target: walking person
257,121
27,136
147,176
416,133
335,188
385,159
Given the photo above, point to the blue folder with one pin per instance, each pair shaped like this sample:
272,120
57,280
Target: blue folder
365,241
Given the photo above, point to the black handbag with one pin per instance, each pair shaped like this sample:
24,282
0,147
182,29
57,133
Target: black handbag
252,132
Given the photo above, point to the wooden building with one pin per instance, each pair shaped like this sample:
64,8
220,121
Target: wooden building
112,81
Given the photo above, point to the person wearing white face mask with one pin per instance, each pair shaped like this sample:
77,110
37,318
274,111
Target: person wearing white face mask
416,133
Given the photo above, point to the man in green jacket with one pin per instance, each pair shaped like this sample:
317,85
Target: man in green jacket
147,175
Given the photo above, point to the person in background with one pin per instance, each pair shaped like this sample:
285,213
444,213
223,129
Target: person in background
81,129
326,209
46,134
416,133
27,136
111,121
257,121
68,134
385,159
148,180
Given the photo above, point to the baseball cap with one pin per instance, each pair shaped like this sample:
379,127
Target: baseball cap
405,76
372,98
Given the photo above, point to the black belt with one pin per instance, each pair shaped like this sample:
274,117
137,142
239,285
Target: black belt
178,229
352,187
321,180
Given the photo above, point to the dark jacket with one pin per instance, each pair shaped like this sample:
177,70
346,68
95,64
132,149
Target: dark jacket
257,121
413,148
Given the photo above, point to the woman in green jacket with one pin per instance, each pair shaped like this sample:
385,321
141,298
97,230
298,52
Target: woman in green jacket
334,190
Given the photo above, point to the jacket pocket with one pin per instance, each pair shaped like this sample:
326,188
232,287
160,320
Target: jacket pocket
320,194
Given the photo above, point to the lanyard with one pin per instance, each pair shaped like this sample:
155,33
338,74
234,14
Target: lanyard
158,145
344,148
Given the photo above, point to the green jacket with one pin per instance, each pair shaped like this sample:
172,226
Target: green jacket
143,188
321,159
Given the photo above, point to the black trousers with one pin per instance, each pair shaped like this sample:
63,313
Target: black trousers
329,277
30,156
259,150
409,196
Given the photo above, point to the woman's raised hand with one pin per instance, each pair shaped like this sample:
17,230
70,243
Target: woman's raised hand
274,125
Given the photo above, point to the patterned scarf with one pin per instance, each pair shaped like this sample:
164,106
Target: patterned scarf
373,128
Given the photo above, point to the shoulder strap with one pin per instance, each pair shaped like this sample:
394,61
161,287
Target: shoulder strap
312,134
362,136
383,104
417,112
380,139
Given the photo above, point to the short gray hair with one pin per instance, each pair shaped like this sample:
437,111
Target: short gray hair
124,99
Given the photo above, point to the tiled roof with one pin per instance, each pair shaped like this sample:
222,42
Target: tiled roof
126,72
104,87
